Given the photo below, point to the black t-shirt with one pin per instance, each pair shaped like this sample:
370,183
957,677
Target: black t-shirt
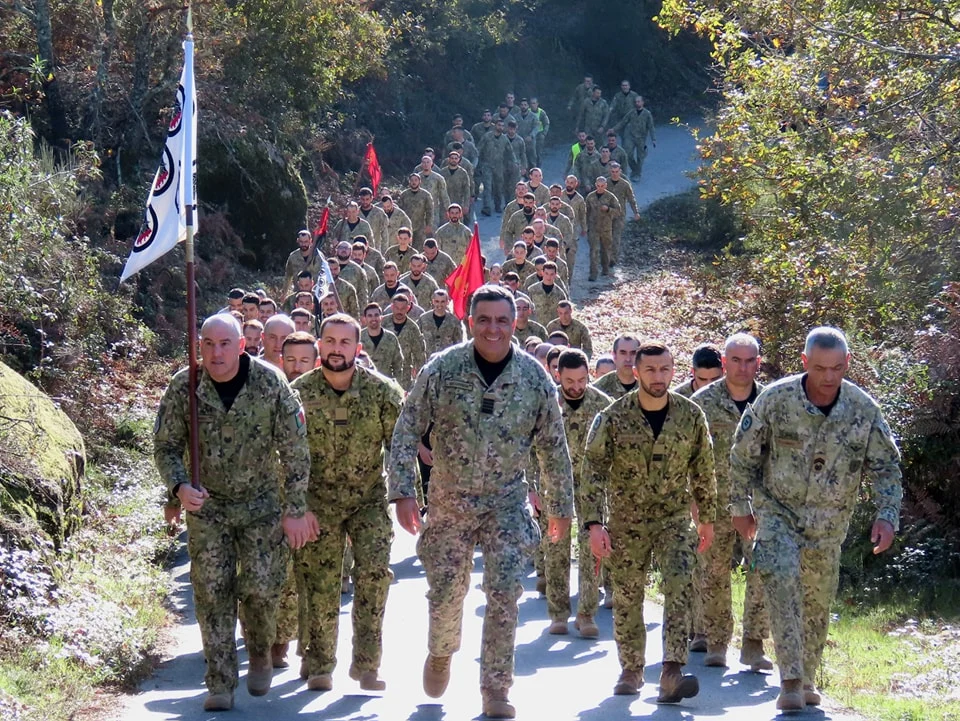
491,371
742,405
438,319
229,390
823,409
575,403
375,339
398,327
656,419
391,291
627,388
353,225
548,289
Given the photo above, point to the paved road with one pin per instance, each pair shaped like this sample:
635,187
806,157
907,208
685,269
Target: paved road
560,678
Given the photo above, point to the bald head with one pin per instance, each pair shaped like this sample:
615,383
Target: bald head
275,332
221,343
221,322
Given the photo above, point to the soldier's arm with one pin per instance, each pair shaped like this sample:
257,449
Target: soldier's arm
524,162
411,425
586,344
653,134
746,459
632,199
882,461
170,438
390,404
556,470
397,366
290,437
703,478
544,121
593,471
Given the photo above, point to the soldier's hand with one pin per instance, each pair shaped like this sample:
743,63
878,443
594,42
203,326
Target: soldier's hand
557,528
192,498
299,531
534,499
599,541
426,455
746,526
408,514
882,535
705,531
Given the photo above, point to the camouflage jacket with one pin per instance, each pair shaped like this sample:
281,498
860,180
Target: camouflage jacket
685,388
379,224
436,339
296,264
487,433
578,334
495,151
344,231
419,205
593,113
620,104
579,206
453,239
624,192
441,267
422,289
524,271
411,343
395,220
610,384
400,257
348,434
598,221
519,149
645,480
436,185
802,470
459,187
532,328
348,297
577,422
546,303
262,437
637,125
386,355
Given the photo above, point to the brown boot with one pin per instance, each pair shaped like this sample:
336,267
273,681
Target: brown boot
278,654
541,584
751,654
558,627
791,695
436,675
586,626
259,675
698,644
811,696
716,656
369,680
629,683
218,701
320,682
674,686
496,704
304,674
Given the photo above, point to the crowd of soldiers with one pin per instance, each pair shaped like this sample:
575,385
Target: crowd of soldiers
361,389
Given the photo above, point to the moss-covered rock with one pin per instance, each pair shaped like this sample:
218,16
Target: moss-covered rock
42,460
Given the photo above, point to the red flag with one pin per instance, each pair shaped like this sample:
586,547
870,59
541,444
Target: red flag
373,167
464,281
322,224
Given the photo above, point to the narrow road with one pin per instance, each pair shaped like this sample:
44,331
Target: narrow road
561,678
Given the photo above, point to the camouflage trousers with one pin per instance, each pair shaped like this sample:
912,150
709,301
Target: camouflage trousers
800,582
507,537
617,236
495,187
674,542
235,565
571,256
558,576
713,588
539,555
287,611
601,245
636,153
319,566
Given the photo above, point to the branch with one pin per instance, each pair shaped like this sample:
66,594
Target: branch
930,16
18,7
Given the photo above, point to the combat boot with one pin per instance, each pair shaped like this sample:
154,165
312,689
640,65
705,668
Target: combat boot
304,674
716,656
698,643
629,683
369,680
541,584
320,682
496,704
559,627
811,696
436,675
674,686
791,695
751,654
259,675
586,626
278,654
218,701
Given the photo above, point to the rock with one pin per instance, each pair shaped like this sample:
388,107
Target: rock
42,460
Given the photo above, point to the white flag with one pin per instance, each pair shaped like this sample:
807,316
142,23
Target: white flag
165,219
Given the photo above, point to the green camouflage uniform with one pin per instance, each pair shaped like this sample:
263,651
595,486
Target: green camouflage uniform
624,192
715,620
799,472
526,125
576,423
422,289
348,434
579,220
395,220
400,257
619,155
237,550
375,258
496,159
453,239
419,205
479,130
348,297
578,334
477,490
448,136
532,328
541,193
441,267
620,104
343,230
468,152
540,133
411,343
580,93
459,189
684,389
438,338
355,276
610,384
437,187
524,271
634,128
563,224
600,229
583,169
384,297
386,355
563,273
535,279
296,264
546,303
380,240
593,114
648,485
518,165
513,228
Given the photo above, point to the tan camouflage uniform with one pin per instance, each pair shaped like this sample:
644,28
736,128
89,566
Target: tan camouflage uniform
296,264
634,128
441,266
348,297
422,289
546,303
437,186
620,104
419,205
379,224
578,334
438,338
453,239
532,328
395,220
459,189
624,192
593,113
610,384
600,229
386,355
343,230
411,343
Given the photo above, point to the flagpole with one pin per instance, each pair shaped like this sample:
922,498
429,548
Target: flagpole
188,202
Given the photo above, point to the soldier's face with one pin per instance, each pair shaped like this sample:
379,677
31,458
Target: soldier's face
353,213
357,256
304,285
553,367
427,162
638,103
565,315
582,137
453,160
400,307
439,303
605,155
625,87
387,204
615,173
487,117
251,311
403,240
741,364
414,182
510,99
705,376
604,367
328,306
302,324
588,83
252,338
520,191
534,105
554,206
390,276
591,145
366,202
416,268
298,358
343,252
536,176
305,303
334,269
524,106
455,214
520,253
372,317
273,338
601,187
338,347
512,285
235,304
267,311
571,184
496,273
625,355
549,276
430,252
655,373
220,349
573,382
528,204
304,241
492,323
523,311
825,369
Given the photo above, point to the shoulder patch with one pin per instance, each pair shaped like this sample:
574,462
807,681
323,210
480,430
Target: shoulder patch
594,427
746,422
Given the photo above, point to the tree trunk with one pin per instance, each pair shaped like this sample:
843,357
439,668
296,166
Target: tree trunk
59,127
91,115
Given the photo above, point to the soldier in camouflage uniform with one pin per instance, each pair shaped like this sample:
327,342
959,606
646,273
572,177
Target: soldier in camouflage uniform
409,335
551,252
477,489
512,227
351,412
441,329
723,402
517,165
617,154
401,253
562,221
421,283
396,218
584,165
358,254
459,184
480,129
621,104
577,333
380,344
541,192
380,239
439,263
349,302
525,326
798,458
236,521
648,458
541,130
580,403
593,114
580,93
527,124
519,263
706,367
546,294
306,257
519,189
602,209
418,204
634,128
620,187
495,155
433,182
353,273
349,227
454,236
